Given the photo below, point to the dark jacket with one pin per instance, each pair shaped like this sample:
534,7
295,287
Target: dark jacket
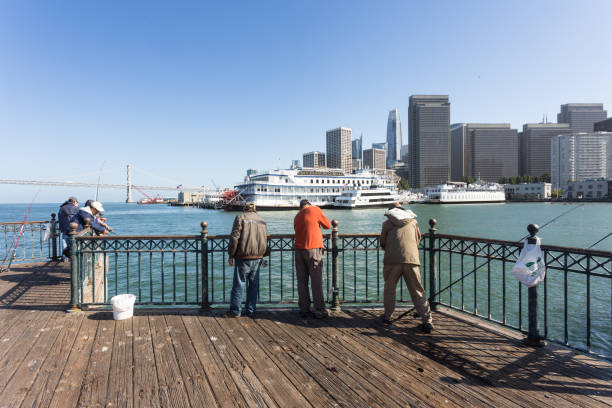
84,213
249,237
400,238
65,215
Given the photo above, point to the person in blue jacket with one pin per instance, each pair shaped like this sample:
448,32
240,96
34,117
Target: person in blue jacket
90,213
66,213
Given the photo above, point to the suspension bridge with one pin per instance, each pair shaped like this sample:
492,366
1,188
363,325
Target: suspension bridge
128,186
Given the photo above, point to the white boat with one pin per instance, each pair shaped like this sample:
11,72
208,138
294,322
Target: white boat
462,193
367,198
284,189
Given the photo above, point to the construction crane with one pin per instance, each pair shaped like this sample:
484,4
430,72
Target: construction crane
156,200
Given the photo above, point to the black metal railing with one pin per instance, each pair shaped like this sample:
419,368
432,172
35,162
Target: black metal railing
572,306
29,241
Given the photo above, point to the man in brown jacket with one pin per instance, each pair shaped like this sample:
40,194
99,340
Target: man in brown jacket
248,245
400,238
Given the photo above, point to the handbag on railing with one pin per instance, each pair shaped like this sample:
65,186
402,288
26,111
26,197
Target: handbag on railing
529,268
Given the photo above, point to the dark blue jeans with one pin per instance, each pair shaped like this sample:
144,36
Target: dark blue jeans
245,270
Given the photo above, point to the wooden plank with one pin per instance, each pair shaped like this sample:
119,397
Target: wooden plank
172,391
455,345
223,386
351,369
69,385
16,389
42,390
95,383
533,367
246,381
317,395
145,374
196,384
344,394
278,386
120,376
22,338
421,376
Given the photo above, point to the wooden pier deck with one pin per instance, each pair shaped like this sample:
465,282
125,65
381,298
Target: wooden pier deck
181,359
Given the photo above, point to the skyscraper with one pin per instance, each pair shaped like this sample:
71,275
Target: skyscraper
358,147
581,116
580,156
535,146
394,137
486,151
374,158
313,159
339,150
429,136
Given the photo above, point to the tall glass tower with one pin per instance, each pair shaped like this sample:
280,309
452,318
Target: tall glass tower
394,137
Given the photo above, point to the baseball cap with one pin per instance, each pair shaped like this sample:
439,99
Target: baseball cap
73,199
98,206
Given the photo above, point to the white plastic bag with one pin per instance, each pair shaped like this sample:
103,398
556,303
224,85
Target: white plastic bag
123,306
529,268
47,228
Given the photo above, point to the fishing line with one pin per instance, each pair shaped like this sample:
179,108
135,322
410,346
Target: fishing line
484,263
600,240
16,239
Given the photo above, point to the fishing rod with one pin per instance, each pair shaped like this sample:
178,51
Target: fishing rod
483,264
12,248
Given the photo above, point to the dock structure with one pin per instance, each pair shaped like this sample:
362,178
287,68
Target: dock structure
174,357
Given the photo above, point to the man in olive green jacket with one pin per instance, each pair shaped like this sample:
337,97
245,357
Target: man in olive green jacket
248,245
400,238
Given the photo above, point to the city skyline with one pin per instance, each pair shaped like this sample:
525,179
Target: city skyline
192,92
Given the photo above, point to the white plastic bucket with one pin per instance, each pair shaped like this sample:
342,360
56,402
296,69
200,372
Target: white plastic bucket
123,306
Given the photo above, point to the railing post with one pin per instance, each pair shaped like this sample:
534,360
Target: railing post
335,302
204,262
53,237
74,269
432,263
533,336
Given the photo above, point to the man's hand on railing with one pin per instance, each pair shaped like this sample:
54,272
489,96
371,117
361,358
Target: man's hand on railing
230,261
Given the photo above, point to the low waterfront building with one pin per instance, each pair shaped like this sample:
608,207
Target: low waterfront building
528,191
190,197
374,158
580,156
588,190
603,126
314,159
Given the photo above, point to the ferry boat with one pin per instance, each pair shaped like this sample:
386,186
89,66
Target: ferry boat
284,189
373,197
462,193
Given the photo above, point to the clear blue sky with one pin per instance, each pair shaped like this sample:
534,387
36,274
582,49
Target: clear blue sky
192,91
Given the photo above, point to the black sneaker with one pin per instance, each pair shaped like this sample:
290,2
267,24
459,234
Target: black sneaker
229,314
426,327
385,319
251,315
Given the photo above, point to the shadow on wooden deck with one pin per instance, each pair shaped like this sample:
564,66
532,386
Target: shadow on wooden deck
184,358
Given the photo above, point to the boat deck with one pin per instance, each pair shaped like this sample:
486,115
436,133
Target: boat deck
176,358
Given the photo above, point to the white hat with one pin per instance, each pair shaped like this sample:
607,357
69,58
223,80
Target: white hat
97,206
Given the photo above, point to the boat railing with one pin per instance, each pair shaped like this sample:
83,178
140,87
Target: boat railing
470,275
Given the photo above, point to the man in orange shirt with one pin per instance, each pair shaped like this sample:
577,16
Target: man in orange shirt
309,257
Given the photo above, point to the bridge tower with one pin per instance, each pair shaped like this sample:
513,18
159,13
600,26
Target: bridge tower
129,185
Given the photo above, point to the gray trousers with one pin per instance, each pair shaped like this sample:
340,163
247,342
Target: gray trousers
309,263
